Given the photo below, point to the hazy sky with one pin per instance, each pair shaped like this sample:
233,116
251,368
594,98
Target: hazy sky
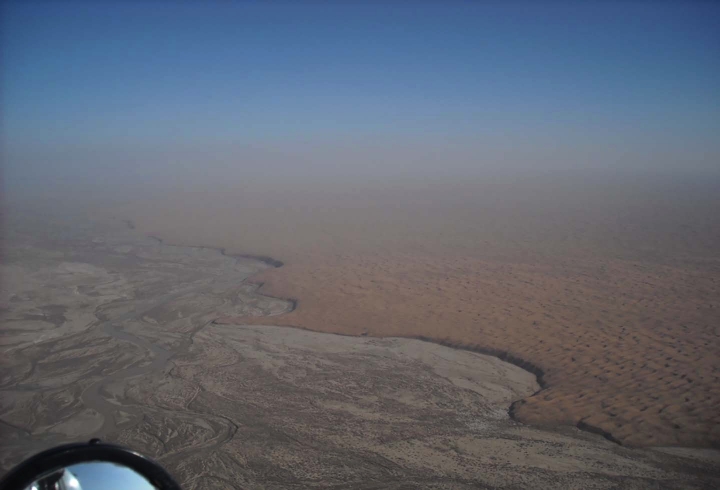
132,90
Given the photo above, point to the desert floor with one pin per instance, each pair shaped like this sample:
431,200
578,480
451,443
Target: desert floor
108,333
608,286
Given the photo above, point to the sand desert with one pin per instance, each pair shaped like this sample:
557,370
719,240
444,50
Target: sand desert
367,245
109,333
607,286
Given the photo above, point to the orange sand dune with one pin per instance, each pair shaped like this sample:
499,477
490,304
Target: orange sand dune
629,350
611,288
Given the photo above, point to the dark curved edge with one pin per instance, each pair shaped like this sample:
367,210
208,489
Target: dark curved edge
261,258
527,366
67,455
293,306
582,425
523,364
500,354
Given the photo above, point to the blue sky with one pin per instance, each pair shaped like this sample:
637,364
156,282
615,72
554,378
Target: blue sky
103,77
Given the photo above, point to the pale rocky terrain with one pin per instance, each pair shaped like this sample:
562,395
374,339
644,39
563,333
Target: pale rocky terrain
108,333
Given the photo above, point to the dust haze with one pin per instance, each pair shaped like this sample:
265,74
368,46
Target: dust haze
596,309
525,297
598,282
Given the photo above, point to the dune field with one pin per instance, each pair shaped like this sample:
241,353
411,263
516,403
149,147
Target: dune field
607,287
111,334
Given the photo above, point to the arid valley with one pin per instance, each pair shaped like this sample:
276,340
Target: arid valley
228,369
374,245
